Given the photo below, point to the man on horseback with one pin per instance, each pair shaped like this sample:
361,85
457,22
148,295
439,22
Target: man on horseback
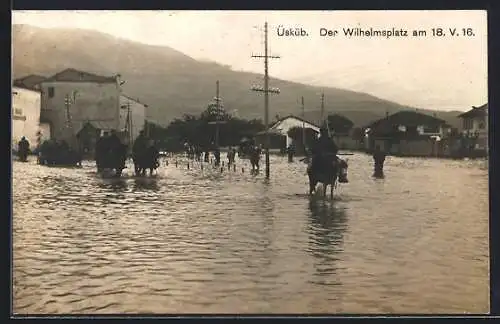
324,152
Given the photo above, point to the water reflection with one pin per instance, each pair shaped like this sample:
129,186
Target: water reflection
116,185
328,223
144,184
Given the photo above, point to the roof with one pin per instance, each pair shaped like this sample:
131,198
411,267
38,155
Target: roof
134,100
407,118
294,117
73,75
101,125
30,82
271,132
475,112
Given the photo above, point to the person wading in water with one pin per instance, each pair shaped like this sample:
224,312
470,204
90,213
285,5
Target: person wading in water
378,160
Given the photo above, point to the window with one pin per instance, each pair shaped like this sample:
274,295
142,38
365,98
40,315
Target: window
467,123
18,111
481,125
51,92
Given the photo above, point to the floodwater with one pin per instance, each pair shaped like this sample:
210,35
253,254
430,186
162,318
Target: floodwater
202,241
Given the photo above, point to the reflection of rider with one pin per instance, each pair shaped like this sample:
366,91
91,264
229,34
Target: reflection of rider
324,151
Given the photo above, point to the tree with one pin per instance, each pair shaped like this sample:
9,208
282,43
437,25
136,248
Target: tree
339,124
298,133
196,130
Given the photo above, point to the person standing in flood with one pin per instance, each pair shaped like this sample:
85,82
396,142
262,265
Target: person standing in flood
217,156
378,160
290,150
23,149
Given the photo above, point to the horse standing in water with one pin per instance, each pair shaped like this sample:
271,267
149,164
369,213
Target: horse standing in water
147,159
332,172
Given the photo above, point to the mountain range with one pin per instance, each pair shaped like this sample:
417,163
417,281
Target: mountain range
173,84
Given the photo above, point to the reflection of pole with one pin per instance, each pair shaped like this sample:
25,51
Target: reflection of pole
266,91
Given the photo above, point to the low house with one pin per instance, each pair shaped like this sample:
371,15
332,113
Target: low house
283,125
407,133
25,113
475,128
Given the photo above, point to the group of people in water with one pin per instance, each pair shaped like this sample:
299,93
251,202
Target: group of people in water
111,153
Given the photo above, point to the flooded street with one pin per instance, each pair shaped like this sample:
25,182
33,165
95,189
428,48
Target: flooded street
193,241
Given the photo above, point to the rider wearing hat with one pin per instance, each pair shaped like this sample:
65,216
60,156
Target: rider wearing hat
324,150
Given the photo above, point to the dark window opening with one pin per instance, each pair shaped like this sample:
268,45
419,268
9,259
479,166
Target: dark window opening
51,92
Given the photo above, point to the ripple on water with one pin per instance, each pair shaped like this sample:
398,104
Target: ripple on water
204,241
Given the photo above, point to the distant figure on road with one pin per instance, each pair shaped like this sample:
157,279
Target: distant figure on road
217,156
290,151
231,153
23,149
378,159
207,157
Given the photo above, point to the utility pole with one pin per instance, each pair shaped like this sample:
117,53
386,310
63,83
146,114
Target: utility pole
322,109
69,123
217,113
303,125
266,91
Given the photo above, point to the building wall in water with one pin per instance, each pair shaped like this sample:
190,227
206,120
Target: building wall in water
91,101
25,115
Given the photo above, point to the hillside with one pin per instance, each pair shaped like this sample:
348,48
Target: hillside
172,83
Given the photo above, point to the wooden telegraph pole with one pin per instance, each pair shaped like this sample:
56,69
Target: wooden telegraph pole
266,91
303,125
218,108
68,101
322,109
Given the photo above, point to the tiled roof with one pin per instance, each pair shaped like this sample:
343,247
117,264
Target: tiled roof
294,117
407,118
72,75
30,82
135,100
475,112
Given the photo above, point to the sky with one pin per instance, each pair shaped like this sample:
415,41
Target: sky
442,73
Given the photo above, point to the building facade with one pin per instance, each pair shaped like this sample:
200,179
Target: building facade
25,115
475,127
71,99
132,117
407,133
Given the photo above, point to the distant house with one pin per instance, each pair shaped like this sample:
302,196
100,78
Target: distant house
132,116
407,133
475,127
279,131
92,99
26,107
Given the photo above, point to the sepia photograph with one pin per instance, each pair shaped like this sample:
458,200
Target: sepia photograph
249,162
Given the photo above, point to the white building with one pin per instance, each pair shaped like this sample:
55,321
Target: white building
92,99
475,124
25,115
283,125
132,116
